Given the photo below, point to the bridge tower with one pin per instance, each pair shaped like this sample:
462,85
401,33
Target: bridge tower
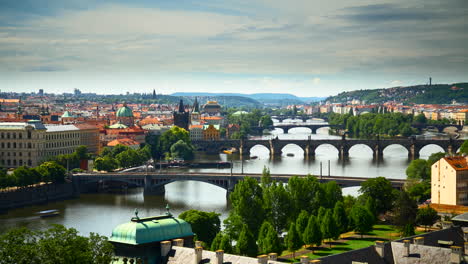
274,148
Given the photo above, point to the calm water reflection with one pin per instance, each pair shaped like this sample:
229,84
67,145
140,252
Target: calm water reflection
101,212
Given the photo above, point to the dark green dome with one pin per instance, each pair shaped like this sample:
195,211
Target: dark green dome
124,111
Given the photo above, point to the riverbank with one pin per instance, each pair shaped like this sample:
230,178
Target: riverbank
39,194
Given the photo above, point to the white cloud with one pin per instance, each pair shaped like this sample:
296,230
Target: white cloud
316,81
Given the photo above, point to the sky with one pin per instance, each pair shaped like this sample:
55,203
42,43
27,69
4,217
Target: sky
303,47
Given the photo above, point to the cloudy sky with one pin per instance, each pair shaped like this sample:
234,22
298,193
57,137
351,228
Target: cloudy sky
304,47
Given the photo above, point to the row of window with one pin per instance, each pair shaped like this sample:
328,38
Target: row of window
8,154
13,145
62,136
62,144
15,162
14,135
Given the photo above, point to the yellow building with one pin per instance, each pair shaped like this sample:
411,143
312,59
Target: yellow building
211,132
461,116
449,181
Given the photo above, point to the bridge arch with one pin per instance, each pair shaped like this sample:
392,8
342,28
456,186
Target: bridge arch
259,148
218,183
294,148
327,149
429,149
299,127
391,150
321,130
366,149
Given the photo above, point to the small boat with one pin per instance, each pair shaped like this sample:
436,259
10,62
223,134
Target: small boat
253,157
290,155
227,151
48,213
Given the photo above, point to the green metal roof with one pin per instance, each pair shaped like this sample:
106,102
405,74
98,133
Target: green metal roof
124,111
118,125
67,114
151,229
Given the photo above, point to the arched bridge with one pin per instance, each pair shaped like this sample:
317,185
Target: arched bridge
439,127
154,182
312,127
343,146
304,118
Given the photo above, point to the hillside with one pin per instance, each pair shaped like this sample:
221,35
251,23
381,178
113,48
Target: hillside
418,94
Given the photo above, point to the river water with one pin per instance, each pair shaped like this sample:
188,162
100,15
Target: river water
101,212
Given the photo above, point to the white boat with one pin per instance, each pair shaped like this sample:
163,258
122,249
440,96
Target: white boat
48,213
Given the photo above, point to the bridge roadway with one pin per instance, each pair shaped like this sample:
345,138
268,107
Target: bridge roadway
275,146
154,182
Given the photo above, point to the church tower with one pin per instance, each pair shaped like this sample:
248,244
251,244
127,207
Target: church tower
195,115
181,118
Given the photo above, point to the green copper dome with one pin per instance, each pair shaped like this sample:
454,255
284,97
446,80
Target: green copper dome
124,111
67,114
151,229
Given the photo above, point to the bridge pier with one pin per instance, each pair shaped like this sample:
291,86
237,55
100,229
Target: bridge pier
309,151
314,130
153,190
413,152
343,152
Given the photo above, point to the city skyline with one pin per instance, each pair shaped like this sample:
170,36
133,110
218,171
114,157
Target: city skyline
307,48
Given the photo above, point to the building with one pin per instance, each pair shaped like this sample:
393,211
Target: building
124,115
211,132
125,142
140,239
461,116
449,181
212,108
181,117
30,143
195,115
196,132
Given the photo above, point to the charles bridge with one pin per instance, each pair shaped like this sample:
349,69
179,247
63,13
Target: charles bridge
275,145
154,182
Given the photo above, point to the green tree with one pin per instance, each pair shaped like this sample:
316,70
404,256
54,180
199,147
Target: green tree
118,149
418,169
172,136
226,244
268,240
427,216
301,224
332,194
23,176
405,211
266,121
464,147
313,234
51,171
434,157
339,215
293,241
216,243
328,226
420,119
277,205
247,203
82,152
246,245
305,194
418,190
180,149
205,224
362,219
381,190
106,163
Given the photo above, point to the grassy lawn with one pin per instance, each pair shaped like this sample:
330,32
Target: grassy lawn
351,241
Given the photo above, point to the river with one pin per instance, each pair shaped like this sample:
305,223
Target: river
101,212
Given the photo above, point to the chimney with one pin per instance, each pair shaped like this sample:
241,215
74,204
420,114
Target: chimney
406,243
219,256
304,259
419,240
165,248
455,256
198,255
262,259
178,242
273,256
380,248
466,248
198,243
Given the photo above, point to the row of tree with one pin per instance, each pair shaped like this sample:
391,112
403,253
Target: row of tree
121,156
174,143
23,176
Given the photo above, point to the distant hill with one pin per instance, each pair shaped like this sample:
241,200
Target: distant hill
419,94
263,98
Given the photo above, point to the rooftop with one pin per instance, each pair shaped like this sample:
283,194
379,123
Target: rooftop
457,162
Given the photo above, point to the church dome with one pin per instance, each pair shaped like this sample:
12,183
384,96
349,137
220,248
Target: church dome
124,111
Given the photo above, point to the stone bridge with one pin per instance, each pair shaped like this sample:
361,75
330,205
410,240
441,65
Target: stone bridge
312,127
153,182
343,146
304,118
439,128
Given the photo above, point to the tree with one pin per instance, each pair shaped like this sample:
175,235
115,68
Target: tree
266,121
277,205
420,119
226,244
205,224
332,194
301,224
313,234
119,148
82,152
247,203
180,149
246,245
381,190
328,226
464,147
51,171
23,176
418,169
305,194
55,245
129,158
268,240
418,190
362,218
171,136
339,215
427,217
434,157
405,211
293,241
215,244
106,163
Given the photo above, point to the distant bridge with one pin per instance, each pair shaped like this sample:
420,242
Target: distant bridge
304,118
343,146
439,127
154,182
312,127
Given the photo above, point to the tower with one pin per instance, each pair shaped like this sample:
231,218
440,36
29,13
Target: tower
154,94
430,81
195,116
181,118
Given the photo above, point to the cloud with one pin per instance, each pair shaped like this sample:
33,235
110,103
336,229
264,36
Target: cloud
396,83
44,68
316,81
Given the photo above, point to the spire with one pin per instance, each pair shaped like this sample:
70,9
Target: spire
154,94
196,108
181,106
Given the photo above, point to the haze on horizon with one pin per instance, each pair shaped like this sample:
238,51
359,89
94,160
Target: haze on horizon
303,47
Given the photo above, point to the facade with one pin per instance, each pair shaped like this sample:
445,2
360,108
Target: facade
181,117
211,132
212,108
196,132
124,115
29,143
449,181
